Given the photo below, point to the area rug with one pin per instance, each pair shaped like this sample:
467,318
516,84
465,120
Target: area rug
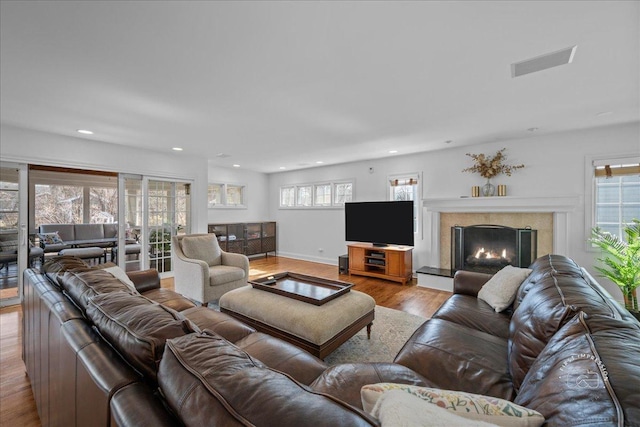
391,329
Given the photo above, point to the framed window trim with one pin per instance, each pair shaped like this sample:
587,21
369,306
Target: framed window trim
409,179
592,166
225,203
292,193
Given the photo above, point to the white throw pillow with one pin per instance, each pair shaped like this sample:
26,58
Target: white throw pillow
204,248
466,405
120,274
500,291
395,408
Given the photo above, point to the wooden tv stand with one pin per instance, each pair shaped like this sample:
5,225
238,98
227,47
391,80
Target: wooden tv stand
387,262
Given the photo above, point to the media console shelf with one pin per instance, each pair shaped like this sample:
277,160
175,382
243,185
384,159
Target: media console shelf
388,262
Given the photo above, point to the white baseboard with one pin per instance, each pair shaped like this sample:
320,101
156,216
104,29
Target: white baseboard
308,258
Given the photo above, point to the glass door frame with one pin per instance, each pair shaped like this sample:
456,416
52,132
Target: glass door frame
23,231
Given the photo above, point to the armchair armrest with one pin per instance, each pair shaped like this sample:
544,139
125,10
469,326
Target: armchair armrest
145,280
236,260
469,282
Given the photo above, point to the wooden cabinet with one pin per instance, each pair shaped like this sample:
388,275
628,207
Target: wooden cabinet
389,262
248,238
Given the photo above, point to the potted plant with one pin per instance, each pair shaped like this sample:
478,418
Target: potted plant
621,261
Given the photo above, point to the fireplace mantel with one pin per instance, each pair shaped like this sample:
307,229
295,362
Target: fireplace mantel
564,209
503,204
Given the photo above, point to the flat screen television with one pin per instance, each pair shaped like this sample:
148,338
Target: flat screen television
380,223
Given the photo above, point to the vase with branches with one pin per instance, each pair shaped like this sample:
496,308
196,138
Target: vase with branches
621,260
489,167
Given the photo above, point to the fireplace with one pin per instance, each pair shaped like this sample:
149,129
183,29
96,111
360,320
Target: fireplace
489,248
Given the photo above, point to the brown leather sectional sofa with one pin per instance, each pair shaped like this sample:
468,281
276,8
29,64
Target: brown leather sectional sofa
99,352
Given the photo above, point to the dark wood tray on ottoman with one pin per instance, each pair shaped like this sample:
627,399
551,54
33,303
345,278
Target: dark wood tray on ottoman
313,290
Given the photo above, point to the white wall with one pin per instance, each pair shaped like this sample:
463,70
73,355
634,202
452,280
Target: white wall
555,165
257,197
41,148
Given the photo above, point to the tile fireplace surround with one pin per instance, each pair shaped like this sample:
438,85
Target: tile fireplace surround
549,215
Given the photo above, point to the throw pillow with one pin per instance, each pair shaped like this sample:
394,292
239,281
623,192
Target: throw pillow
395,408
467,405
204,248
120,274
51,238
500,291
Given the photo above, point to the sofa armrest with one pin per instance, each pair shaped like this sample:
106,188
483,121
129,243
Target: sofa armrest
145,280
469,282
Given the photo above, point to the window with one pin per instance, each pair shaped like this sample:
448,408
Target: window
235,195
214,195
616,193
288,196
304,196
343,193
318,195
405,187
226,195
322,195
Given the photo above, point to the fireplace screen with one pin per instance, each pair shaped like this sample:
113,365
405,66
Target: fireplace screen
488,248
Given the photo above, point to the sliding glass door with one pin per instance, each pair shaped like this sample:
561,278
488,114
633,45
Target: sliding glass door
14,239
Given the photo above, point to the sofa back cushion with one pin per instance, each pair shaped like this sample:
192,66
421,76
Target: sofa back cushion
208,381
110,230
136,327
549,301
89,231
82,285
65,231
588,374
54,268
203,247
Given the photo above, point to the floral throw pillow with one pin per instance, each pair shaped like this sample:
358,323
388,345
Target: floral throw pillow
50,238
467,405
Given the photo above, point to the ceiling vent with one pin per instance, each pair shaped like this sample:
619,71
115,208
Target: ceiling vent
542,62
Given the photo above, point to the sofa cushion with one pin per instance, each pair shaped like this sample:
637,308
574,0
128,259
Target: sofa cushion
82,285
551,301
476,314
88,231
467,405
455,357
136,327
202,247
345,380
121,275
500,291
208,381
282,356
222,324
169,298
54,268
8,246
573,379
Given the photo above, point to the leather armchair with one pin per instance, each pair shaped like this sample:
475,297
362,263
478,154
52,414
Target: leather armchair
203,272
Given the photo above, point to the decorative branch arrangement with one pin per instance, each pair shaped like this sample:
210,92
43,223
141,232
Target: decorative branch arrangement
488,167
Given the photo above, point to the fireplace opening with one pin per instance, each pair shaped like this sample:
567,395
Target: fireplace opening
489,248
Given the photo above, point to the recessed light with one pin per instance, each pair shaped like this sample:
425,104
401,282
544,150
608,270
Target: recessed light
282,168
393,151
85,131
236,166
177,148
319,162
533,129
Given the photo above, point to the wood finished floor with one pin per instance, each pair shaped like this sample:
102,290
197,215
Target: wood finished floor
17,407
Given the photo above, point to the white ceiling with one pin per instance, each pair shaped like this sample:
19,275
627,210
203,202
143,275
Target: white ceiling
289,84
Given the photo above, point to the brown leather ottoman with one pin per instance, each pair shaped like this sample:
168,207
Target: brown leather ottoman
319,329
